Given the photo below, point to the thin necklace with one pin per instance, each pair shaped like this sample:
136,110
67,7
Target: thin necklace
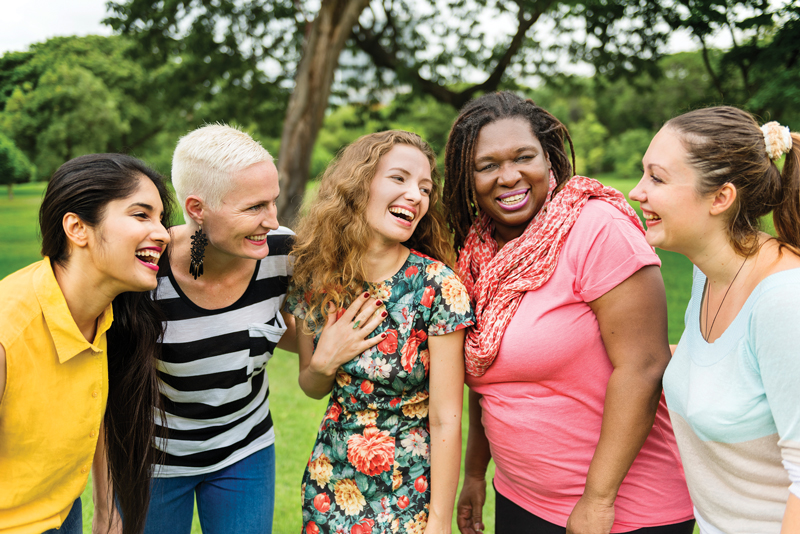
708,298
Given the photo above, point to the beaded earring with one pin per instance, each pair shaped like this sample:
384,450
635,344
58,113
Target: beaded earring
199,242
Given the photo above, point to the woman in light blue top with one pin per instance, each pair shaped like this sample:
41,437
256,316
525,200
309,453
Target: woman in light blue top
733,386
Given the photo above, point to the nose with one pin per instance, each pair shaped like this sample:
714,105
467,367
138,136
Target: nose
412,192
508,175
161,234
271,217
637,193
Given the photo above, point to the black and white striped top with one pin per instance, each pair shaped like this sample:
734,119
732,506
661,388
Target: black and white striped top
212,371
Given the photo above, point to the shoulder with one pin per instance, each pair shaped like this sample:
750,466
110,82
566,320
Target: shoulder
601,224
19,304
280,241
777,296
432,269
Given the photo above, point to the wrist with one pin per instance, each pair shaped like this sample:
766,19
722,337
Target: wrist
602,498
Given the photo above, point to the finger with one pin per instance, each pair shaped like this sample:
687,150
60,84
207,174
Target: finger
370,322
355,307
366,313
331,309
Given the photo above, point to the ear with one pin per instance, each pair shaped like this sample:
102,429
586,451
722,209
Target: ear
195,207
723,199
77,231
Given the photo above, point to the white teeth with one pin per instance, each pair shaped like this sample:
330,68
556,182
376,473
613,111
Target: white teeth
513,200
404,212
261,237
651,217
147,253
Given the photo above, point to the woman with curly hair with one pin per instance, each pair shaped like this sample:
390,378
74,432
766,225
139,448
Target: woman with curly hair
381,330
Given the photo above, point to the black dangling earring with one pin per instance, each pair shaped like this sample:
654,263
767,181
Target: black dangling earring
199,242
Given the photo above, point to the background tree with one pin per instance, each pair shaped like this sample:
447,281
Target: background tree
14,166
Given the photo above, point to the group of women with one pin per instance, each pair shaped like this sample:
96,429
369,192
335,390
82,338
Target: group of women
538,288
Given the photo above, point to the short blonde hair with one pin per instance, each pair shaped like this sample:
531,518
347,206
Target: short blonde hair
205,160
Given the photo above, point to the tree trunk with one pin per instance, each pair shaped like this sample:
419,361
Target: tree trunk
309,100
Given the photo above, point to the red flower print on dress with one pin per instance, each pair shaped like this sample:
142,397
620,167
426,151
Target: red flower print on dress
363,527
322,503
394,402
409,350
311,528
411,271
371,453
427,297
421,484
334,412
367,387
389,343
425,358
402,502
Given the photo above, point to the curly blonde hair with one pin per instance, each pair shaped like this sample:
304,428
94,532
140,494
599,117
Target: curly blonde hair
333,238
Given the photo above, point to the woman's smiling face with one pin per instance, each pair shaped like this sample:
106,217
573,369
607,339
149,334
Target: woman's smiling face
512,175
675,213
399,194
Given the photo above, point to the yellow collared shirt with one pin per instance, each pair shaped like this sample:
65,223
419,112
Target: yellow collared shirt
54,401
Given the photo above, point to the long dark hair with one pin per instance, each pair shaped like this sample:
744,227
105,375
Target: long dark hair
459,164
84,186
726,145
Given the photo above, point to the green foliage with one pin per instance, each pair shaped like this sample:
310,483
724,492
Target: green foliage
14,166
625,152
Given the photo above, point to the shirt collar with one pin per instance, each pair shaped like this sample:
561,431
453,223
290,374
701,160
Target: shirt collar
67,337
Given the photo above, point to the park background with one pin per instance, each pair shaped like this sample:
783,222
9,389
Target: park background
306,78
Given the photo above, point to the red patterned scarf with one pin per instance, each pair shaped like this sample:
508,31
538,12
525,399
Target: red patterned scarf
496,281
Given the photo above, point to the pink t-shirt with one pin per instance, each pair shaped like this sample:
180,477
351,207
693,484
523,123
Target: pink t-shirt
543,396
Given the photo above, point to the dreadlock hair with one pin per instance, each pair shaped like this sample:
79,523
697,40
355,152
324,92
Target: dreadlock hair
460,200
333,238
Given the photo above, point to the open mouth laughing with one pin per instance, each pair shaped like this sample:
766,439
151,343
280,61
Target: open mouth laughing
402,213
149,257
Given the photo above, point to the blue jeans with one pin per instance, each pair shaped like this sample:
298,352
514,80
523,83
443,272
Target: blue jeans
73,524
238,499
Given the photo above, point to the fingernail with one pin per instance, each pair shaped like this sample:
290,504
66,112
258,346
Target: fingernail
383,335
378,302
384,314
366,295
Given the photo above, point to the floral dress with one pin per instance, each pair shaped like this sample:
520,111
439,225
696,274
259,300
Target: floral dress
369,471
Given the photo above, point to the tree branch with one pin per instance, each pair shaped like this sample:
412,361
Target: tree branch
370,44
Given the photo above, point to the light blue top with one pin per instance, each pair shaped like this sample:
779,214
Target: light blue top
735,407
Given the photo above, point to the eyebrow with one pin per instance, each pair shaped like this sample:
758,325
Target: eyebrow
401,169
142,205
517,151
650,165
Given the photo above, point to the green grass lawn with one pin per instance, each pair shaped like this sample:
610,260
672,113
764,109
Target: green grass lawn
296,417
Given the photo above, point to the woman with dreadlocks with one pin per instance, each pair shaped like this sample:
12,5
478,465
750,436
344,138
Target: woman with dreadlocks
565,360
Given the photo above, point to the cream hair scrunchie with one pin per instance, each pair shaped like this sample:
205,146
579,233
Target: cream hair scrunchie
777,138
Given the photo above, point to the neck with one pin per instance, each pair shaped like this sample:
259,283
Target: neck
383,260
86,293
719,261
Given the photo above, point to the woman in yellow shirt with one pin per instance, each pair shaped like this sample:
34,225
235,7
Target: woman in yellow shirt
62,395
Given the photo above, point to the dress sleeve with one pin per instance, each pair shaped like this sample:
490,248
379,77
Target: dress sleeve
295,302
448,301
773,342
606,248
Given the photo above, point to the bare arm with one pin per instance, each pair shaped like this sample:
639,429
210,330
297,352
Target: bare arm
289,338
791,517
473,493
101,491
444,411
639,353
342,340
